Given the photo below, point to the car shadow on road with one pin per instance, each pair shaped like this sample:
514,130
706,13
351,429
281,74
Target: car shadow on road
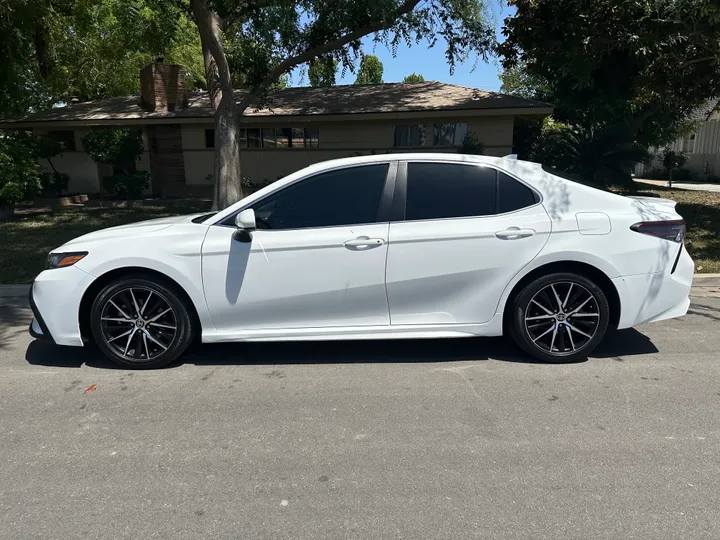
617,345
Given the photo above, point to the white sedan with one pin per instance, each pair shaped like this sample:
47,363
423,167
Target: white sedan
376,247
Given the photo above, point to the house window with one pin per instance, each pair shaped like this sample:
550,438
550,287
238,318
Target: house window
254,138
688,144
449,134
269,138
209,138
312,139
66,137
297,137
409,135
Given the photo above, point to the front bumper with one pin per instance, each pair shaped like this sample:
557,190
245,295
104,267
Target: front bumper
55,298
38,329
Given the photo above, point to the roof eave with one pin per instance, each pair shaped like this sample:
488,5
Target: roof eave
274,118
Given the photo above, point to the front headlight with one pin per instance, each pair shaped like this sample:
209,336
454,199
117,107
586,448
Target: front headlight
59,260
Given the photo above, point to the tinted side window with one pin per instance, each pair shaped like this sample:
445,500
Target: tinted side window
513,194
448,190
342,197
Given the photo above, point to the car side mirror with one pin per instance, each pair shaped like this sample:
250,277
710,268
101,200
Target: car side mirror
245,222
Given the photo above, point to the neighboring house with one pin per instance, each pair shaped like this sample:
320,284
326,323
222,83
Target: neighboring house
297,127
702,146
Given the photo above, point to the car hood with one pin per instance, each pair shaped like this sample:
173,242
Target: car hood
141,228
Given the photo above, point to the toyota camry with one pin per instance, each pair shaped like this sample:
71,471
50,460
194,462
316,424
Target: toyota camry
376,247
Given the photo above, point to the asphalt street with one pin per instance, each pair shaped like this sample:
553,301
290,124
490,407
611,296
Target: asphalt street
410,439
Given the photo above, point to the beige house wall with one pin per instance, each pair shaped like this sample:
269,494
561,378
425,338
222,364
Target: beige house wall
337,140
260,165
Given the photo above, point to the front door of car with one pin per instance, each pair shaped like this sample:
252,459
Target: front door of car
317,258
464,231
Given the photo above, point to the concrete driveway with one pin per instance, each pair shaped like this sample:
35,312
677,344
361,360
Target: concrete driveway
420,439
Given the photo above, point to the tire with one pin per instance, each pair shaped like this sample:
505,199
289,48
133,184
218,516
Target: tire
159,335
559,331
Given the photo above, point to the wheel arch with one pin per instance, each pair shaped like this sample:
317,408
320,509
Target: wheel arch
598,276
112,275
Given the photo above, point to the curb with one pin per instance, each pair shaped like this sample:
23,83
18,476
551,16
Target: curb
14,291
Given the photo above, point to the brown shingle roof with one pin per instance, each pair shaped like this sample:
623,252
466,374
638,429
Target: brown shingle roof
301,101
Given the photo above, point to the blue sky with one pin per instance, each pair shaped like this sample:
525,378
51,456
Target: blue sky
431,63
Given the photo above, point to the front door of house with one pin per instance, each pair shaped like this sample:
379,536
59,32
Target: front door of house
167,164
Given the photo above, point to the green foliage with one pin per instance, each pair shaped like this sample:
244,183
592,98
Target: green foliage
594,156
371,70
19,168
517,81
471,145
414,78
116,147
645,66
673,160
53,184
322,71
53,50
128,186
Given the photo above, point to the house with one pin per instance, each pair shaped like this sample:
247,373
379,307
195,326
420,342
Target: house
701,146
295,128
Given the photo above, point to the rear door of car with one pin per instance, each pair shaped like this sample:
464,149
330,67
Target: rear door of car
460,232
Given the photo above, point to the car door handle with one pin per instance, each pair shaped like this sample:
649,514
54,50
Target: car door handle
513,233
364,242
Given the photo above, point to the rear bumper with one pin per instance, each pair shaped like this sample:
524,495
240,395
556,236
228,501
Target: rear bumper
55,298
654,297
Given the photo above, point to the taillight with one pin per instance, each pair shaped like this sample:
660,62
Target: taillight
667,230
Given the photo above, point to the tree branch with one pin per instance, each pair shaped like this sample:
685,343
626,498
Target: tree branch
247,9
308,55
217,70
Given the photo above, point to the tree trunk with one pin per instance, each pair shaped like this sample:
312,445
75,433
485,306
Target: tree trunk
228,187
227,174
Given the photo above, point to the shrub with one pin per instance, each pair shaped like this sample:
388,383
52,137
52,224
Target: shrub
673,160
471,145
53,183
117,147
19,168
683,175
128,186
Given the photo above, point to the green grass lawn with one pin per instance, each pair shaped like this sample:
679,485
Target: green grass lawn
26,241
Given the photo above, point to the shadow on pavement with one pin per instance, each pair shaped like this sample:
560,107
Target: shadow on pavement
616,345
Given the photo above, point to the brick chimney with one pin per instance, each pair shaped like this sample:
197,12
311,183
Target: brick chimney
162,88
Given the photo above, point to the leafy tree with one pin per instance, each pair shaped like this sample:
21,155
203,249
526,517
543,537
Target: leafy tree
517,81
264,40
622,75
413,78
54,50
322,71
371,70
120,148
593,156
19,168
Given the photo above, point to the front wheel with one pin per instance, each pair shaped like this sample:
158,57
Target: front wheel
140,323
560,317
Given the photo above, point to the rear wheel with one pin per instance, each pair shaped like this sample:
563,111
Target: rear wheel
140,323
560,317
